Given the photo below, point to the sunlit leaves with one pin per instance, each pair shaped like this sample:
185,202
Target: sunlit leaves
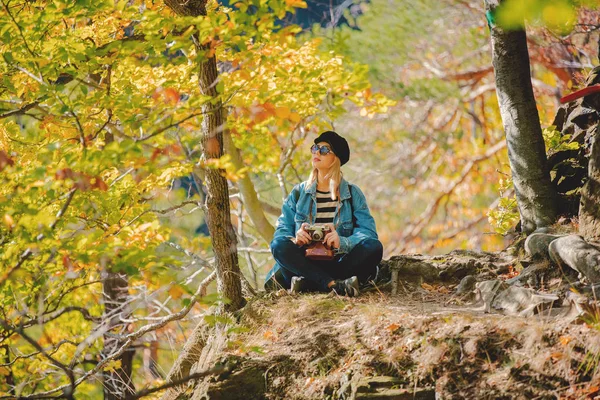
105,111
558,15
555,141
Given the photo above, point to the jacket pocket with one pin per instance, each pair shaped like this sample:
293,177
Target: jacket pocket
299,219
346,228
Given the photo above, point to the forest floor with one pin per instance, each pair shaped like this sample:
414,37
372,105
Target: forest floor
421,344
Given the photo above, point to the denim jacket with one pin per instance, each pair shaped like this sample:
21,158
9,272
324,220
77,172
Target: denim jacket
352,218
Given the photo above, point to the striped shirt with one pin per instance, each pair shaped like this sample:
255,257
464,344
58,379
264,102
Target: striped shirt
325,208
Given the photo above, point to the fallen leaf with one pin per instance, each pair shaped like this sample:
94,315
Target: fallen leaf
564,340
268,334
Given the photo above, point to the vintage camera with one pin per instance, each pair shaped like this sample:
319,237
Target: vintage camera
316,249
317,232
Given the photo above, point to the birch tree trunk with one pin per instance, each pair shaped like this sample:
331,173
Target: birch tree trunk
536,197
218,215
254,208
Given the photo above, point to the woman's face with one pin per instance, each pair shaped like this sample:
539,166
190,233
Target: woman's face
322,162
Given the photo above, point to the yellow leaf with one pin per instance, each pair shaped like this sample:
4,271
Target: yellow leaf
112,365
9,221
296,3
295,117
560,16
282,112
176,292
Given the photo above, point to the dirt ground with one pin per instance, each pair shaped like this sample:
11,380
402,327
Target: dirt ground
419,345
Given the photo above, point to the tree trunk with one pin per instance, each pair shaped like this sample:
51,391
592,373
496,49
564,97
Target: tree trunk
117,381
189,355
589,206
536,197
218,213
10,378
253,205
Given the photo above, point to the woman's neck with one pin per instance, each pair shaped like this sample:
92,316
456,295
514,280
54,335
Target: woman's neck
322,181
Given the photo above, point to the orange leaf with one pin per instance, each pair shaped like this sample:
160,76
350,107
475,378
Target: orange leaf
65,173
167,95
296,3
295,117
427,286
268,334
393,328
175,292
556,355
564,340
171,95
67,263
99,184
212,147
5,160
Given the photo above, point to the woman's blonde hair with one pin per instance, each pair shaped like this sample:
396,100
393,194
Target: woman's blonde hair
334,175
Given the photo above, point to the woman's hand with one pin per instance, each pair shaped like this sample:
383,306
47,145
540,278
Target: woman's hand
332,239
302,236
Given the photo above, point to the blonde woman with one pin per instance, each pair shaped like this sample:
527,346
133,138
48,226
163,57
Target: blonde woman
326,198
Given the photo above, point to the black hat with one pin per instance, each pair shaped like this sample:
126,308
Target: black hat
338,144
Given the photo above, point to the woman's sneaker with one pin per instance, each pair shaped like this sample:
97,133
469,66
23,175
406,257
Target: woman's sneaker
298,284
347,287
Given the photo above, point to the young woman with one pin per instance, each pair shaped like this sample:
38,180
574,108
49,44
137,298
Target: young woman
326,199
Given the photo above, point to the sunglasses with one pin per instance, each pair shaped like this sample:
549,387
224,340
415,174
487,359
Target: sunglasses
323,150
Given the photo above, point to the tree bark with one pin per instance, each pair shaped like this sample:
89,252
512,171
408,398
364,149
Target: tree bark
187,358
10,378
117,382
218,216
536,197
589,206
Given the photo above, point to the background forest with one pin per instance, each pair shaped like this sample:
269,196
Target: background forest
105,253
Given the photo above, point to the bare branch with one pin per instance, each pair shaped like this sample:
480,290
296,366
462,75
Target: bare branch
20,111
429,213
161,130
68,371
129,339
253,250
52,350
56,314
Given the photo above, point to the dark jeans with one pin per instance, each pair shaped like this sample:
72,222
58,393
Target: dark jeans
362,261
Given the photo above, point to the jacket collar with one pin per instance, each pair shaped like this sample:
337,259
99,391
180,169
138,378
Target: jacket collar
344,189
